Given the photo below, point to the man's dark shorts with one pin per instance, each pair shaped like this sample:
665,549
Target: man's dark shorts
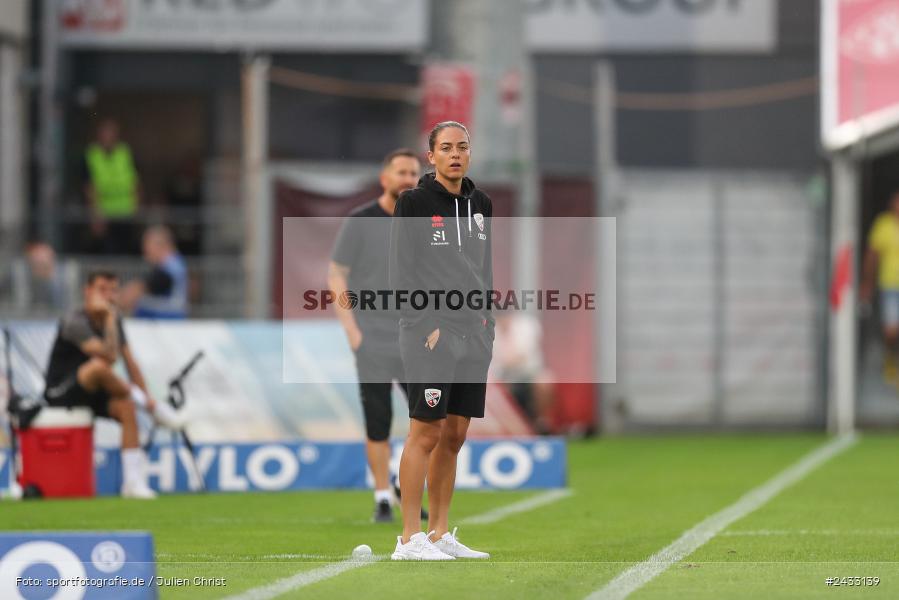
69,393
376,371
449,379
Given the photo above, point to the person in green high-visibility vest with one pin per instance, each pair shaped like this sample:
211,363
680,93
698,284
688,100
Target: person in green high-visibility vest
112,188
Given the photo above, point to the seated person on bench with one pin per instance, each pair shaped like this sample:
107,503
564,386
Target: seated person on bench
89,342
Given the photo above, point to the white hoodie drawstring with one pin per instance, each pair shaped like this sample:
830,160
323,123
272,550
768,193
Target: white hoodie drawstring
458,230
469,217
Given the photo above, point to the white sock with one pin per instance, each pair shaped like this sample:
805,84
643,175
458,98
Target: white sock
134,466
138,395
382,495
163,413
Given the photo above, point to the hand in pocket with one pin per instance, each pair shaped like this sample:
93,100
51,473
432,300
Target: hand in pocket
431,342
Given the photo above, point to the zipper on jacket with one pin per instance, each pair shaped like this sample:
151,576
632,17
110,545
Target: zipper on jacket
458,230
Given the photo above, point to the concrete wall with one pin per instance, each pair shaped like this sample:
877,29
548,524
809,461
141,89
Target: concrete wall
720,307
12,148
13,18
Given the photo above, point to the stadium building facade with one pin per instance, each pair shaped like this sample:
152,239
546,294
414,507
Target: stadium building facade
718,177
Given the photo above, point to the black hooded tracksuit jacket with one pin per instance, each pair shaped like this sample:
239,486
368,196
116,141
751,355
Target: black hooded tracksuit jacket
442,241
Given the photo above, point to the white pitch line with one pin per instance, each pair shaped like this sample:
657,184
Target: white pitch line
304,578
642,573
525,505
826,532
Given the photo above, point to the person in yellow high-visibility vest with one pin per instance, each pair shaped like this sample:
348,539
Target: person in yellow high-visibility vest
881,265
112,188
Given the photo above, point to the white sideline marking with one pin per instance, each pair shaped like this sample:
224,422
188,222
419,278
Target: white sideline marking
781,532
304,578
282,556
642,573
525,505
244,557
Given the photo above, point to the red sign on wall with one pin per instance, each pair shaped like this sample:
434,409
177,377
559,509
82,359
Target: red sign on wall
860,69
92,15
448,95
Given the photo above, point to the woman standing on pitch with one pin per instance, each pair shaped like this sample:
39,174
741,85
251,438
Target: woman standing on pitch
440,251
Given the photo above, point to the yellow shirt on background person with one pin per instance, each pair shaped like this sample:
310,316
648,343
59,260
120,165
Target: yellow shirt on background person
114,178
884,239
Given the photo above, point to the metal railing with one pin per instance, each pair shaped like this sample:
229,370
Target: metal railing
216,285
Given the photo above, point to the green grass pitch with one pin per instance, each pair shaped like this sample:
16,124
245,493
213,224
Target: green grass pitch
632,497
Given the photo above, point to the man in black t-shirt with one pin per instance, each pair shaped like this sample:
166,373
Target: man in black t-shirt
359,262
81,373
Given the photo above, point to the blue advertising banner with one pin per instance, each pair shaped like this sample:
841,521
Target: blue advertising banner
92,566
505,464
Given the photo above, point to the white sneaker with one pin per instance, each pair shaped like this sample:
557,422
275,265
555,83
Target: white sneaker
419,547
137,490
448,544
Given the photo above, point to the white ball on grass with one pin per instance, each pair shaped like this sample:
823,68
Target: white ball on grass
362,551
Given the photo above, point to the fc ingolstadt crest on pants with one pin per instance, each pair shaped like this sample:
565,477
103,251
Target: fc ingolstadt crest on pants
432,397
